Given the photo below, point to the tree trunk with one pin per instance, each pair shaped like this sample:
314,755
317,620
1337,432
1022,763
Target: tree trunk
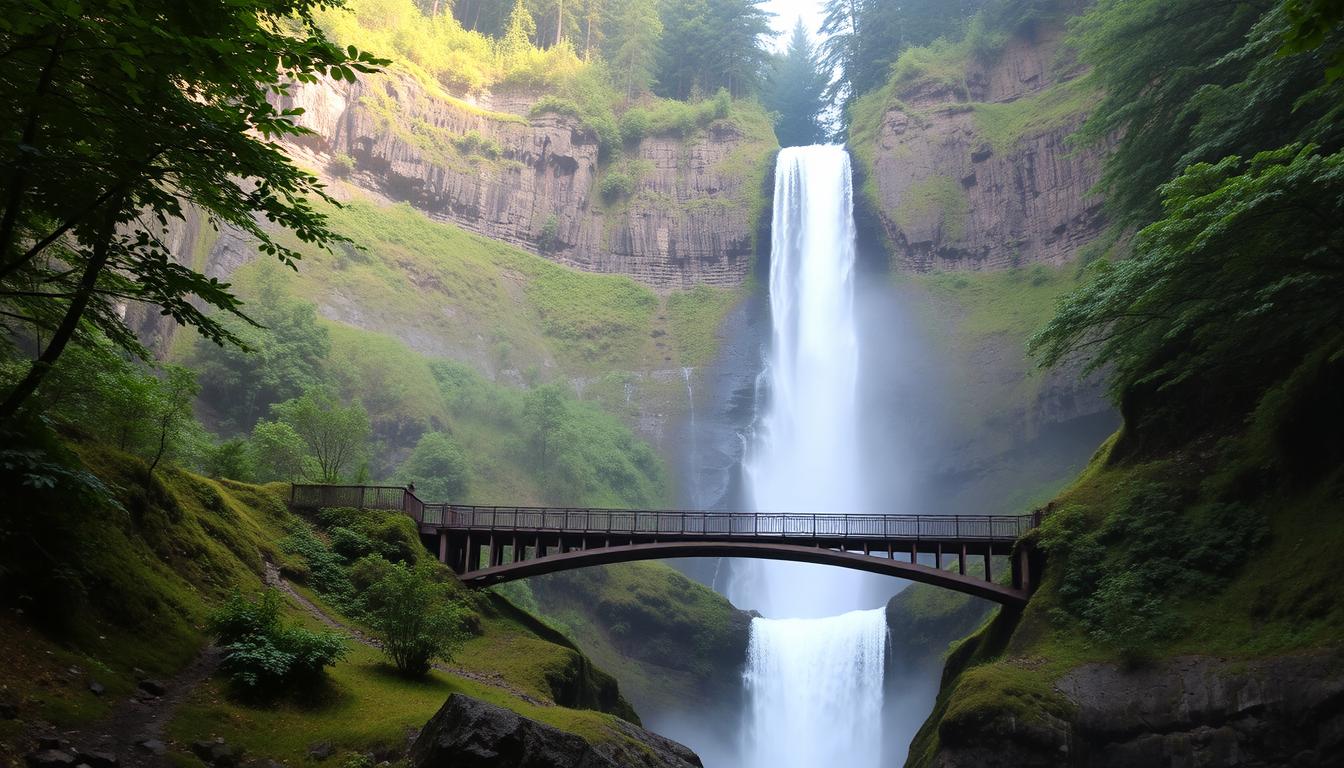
66,330
18,180
559,20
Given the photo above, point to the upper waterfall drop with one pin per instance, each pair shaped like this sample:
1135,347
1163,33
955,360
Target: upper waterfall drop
803,453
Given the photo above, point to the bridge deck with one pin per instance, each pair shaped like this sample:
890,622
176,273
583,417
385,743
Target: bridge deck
488,544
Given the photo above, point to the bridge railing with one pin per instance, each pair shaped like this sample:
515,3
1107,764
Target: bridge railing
361,496
905,527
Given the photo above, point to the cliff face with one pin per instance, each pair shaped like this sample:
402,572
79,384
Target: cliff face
535,182
974,170
1192,710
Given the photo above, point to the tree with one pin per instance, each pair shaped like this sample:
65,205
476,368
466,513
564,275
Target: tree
438,467
336,436
518,35
417,619
124,115
796,93
172,410
544,410
1185,82
277,452
636,35
284,357
1235,285
712,44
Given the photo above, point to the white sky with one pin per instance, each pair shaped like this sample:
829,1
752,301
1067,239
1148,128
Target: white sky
788,11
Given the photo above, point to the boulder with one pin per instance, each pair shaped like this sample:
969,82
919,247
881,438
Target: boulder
468,733
96,688
152,746
321,750
50,758
98,759
218,753
153,687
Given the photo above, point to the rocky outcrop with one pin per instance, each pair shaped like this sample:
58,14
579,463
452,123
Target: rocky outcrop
468,733
1187,711
977,171
535,181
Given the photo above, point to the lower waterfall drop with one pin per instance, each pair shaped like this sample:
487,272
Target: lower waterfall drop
815,691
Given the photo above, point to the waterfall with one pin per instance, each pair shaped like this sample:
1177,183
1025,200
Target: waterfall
814,684
815,688
803,453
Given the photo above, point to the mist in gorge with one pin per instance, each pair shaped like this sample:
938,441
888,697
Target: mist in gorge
671,383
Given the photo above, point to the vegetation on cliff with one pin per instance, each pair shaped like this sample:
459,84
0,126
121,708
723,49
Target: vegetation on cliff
1199,528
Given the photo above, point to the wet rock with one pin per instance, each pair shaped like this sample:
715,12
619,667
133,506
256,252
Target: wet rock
50,742
152,746
98,759
468,733
50,758
321,750
96,688
217,753
153,687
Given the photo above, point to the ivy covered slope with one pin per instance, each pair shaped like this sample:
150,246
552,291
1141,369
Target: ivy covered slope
167,549
545,149
1188,609
964,152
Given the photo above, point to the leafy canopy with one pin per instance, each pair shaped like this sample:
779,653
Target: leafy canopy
122,116
1237,281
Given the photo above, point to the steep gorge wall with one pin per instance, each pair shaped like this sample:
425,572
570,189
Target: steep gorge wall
535,181
969,161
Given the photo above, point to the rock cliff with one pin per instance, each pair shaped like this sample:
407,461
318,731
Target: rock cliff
968,160
535,181
1188,711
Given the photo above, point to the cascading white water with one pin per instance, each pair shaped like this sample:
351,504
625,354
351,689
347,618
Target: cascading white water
803,455
814,684
815,691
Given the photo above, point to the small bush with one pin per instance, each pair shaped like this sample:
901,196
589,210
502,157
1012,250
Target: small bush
473,143
342,165
635,125
418,620
263,656
616,185
549,239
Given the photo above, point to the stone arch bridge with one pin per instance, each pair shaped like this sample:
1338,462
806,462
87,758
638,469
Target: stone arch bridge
491,545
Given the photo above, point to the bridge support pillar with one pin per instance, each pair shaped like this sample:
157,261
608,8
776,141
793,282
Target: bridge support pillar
938,556
1021,568
470,556
496,552
541,546
443,547
989,557
914,553
961,560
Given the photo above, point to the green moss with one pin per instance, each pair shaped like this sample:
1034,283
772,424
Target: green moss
1015,302
694,317
670,640
1005,124
934,201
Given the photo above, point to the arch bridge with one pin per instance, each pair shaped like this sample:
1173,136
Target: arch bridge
492,545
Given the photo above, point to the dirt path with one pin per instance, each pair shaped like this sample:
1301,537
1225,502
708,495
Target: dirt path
132,734
274,579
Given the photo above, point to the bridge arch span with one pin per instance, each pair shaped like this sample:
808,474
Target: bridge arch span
970,585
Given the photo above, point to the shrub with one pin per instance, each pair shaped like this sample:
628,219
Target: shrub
417,619
635,125
616,185
549,239
342,165
262,655
351,544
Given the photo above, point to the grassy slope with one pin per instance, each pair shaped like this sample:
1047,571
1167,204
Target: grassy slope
183,545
